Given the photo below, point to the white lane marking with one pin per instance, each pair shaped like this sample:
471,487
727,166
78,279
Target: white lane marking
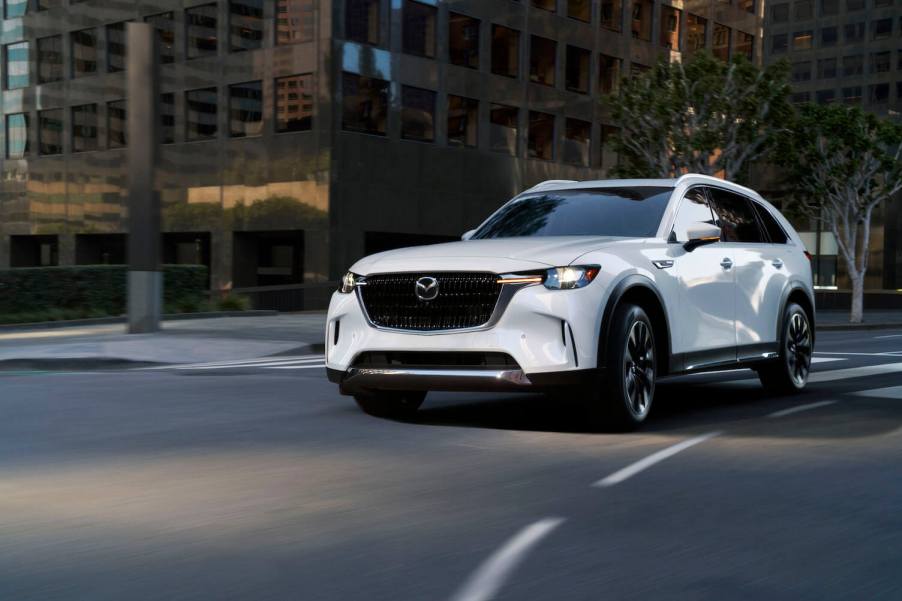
888,336
854,372
826,359
269,363
799,408
299,358
885,354
890,392
487,580
318,366
645,463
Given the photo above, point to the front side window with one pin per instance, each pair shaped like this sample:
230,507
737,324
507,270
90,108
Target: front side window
694,208
246,109
735,216
633,212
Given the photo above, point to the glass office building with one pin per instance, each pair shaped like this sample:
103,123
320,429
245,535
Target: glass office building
299,135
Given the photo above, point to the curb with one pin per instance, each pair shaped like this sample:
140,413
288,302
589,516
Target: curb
95,321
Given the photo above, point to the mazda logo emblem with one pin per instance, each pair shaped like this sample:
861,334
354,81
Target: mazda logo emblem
427,288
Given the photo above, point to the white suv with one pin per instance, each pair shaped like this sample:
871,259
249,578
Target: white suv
594,288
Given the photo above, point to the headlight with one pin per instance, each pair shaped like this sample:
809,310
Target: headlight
349,281
568,278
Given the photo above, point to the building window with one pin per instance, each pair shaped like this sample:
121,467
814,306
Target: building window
50,59
851,95
167,118
779,43
854,32
804,9
245,25
16,136
294,21
505,51
365,104
824,96
200,26
745,44
609,73
463,121
84,52
577,70
115,47
802,40
549,5
166,35
670,27
721,44
779,13
829,8
362,21
48,4
852,5
417,114
696,34
612,15
294,103
577,134
878,93
883,28
801,71
201,114
581,10
829,36
826,68
419,28
14,8
16,65
881,62
542,60
463,40
503,128
882,3
50,132
747,5
117,124
541,136
852,65
246,109
84,128
641,19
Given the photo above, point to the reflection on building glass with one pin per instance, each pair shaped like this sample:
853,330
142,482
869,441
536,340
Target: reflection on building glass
577,69
16,65
612,15
721,44
84,128
641,19
696,34
50,131
84,52
200,25
745,44
505,51
417,114
580,10
167,118
549,5
608,73
115,47
201,114
463,40
14,8
419,28
541,136
463,121
246,109
294,21
50,59
245,25
294,103
365,104
503,128
362,21
670,27
542,60
16,136
166,32
577,134
117,124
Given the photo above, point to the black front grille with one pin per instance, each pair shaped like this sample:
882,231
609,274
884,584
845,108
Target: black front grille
465,300
436,359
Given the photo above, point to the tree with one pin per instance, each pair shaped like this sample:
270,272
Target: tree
703,116
842,163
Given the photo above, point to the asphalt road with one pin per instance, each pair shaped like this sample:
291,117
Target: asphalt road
258,481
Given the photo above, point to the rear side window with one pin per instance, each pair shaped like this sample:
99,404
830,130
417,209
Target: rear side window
736,217
775,233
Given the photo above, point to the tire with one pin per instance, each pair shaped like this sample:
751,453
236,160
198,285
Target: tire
395,405
625,398
789,373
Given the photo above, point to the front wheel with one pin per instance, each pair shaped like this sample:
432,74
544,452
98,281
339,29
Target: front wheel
394,404
789,373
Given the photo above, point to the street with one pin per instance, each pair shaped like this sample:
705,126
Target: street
257,480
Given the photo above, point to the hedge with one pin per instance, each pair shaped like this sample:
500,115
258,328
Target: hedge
90,289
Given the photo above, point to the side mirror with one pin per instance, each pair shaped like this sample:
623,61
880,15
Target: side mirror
468,234
700,233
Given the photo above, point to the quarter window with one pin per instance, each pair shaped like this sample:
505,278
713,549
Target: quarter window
775,233
736,217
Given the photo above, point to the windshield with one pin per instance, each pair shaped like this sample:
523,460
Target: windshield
626,212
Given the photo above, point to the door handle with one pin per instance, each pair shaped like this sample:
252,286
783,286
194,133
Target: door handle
778,263
727,263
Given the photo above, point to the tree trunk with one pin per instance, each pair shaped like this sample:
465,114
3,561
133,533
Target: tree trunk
857,297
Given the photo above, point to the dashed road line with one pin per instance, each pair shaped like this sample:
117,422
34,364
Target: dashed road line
487,580
800,408
653,459
854,372
888,392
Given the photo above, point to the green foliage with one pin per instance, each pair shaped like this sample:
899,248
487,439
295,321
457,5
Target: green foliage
701,116
27,294
233,302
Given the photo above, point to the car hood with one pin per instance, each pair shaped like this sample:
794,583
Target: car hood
499,255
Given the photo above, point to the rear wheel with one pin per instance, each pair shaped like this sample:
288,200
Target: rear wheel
391,404
789,373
